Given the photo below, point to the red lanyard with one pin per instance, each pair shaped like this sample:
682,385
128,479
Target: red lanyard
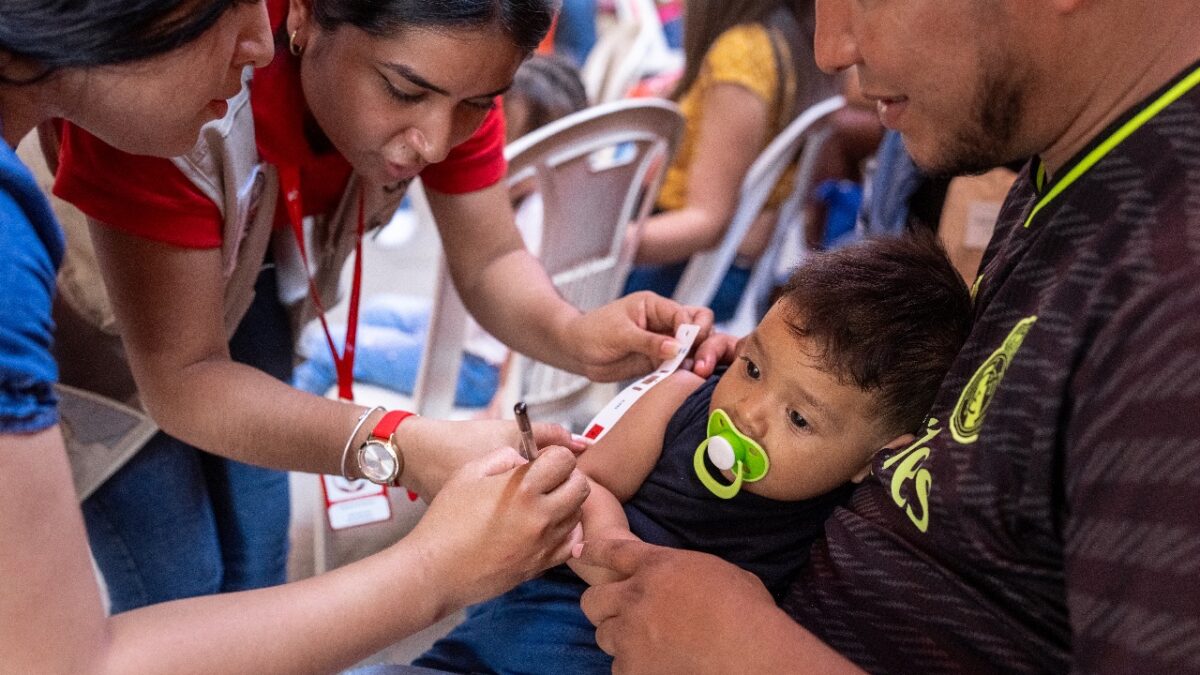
289,181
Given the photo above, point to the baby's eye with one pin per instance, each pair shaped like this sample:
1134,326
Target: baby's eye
752,369
797,420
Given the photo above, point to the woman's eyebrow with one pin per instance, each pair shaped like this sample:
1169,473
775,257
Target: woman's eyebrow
411,75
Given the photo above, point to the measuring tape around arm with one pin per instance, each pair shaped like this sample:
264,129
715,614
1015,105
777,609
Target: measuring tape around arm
607,417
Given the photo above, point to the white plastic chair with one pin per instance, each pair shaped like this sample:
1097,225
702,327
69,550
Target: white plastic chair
704,272
597,172
632,49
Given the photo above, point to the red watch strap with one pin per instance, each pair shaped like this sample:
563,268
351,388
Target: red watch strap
388,423
386,427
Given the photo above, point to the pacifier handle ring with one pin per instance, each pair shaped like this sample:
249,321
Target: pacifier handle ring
707,480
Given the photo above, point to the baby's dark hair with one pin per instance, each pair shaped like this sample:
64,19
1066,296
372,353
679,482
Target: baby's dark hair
551,88
889,316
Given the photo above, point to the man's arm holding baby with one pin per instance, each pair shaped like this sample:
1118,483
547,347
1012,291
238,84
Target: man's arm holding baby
618,464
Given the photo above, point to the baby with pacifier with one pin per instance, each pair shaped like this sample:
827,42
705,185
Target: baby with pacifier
748,464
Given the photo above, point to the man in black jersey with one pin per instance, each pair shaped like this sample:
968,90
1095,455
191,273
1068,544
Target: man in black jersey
1047,518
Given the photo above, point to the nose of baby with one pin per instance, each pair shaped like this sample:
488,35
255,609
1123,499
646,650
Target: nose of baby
750,416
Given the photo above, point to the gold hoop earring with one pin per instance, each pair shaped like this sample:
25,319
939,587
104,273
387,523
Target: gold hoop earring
295,49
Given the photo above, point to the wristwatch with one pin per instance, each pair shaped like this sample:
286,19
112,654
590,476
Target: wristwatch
379,458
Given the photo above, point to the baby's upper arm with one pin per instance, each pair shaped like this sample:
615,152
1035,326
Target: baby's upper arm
625,456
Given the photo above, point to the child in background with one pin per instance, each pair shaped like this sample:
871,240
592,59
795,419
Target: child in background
393,328
545,88
748,464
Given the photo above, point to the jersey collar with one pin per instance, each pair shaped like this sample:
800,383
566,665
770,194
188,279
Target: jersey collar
1103,144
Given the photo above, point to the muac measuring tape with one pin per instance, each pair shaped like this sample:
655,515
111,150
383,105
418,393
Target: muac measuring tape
607,417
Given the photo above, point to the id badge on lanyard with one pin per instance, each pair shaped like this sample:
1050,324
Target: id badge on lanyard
347,503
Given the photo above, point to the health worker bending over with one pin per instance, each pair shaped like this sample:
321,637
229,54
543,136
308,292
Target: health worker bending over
361,97
142,77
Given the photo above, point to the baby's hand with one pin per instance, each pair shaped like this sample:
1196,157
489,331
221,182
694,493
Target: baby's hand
594,574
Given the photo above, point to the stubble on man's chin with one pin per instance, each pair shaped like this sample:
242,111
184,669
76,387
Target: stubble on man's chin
987,140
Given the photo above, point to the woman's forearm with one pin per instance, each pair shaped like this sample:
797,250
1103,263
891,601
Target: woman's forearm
504,286
169,303
239,412
514,300
369,604
51,619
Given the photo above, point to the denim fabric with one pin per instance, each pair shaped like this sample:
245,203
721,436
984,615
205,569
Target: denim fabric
391,338
542,616
663,279
575,34
32,245
176,522
884,212
842,199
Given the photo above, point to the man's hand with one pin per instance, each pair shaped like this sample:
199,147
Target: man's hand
674,611
630,336
686,612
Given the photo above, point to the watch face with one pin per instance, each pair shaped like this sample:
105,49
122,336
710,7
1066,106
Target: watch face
377,461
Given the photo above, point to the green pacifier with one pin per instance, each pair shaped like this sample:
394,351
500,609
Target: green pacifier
729,450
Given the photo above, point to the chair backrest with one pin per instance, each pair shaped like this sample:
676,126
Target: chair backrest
787,247
597,173
635,47
704,272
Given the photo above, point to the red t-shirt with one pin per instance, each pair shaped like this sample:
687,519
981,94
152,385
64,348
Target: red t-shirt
149,197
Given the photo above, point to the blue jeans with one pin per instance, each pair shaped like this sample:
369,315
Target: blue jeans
537,627
177,522
391,339
663,279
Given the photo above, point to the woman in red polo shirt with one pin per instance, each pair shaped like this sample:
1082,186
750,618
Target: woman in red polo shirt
361,97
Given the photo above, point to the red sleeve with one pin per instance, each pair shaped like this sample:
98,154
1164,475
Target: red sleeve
144,196
474,164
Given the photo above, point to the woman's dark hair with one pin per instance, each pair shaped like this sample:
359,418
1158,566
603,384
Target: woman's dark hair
888,316
526,21
56,34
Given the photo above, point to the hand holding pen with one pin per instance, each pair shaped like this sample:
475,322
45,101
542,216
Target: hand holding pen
528,449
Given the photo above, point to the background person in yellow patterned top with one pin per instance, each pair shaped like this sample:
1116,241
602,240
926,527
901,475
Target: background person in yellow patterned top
749,69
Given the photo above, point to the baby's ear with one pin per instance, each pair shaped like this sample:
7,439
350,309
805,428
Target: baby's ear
901,441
